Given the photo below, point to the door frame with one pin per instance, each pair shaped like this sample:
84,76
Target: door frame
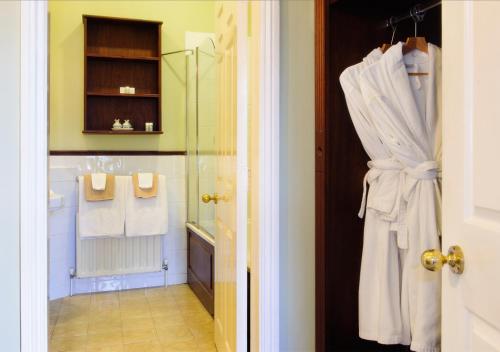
320,49
33,175
265,245
34,179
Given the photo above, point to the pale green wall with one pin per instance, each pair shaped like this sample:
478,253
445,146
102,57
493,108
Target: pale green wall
66,70
9,179
297,176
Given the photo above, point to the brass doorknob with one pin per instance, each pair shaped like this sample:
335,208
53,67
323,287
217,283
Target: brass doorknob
434,260
206,198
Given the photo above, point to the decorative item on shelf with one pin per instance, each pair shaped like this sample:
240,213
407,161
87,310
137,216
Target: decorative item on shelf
148,126
117,125
127,126
127,90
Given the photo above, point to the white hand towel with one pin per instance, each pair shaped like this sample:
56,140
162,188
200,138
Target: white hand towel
103,218
146,216
98,182
145,180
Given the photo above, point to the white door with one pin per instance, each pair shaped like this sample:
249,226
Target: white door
471,174
231,176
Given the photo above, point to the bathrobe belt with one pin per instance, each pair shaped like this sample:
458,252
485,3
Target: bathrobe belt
408,181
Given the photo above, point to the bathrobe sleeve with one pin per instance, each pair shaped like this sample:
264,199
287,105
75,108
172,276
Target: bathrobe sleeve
379,288
360,116
384,171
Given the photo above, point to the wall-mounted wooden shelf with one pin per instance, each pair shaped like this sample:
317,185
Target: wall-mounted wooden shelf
111,132
121,52
105,94
116,57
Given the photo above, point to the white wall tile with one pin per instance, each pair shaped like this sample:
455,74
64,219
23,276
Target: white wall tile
180,239
62,221
83,285
168,244
177,213
68,189
60,247
108,283
176,190
175,279
61,173
60,281
180,262
168,165
180,166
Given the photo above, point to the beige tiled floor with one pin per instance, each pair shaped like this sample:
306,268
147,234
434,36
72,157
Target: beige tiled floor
156,320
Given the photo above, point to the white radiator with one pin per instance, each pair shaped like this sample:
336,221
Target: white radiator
118,256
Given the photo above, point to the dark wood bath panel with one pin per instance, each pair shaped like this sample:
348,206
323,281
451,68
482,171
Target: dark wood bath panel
200,269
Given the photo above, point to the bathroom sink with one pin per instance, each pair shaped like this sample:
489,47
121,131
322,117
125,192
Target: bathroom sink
56,201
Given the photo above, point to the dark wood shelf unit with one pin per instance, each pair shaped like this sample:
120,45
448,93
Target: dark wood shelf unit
121,52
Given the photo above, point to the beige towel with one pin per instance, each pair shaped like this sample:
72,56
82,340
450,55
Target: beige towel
145,193
92,195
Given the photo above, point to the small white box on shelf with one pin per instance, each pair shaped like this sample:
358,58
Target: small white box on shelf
127,90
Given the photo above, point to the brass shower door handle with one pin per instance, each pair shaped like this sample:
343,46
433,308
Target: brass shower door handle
434,260
206,198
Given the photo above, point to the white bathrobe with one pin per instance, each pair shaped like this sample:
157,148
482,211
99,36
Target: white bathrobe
407,114
379,287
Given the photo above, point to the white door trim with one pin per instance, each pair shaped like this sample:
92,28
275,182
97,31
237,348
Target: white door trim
33,170
269,128
242,90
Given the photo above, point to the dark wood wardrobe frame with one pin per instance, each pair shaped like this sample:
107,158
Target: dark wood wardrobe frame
320,47
341,160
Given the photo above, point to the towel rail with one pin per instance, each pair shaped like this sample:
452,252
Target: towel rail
107,256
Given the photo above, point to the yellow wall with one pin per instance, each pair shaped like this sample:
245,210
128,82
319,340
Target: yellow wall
66,70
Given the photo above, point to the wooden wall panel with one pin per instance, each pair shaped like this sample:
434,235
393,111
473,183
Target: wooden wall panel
201,269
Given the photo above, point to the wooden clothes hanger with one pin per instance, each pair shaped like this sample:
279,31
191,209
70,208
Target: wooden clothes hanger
385,47
416,43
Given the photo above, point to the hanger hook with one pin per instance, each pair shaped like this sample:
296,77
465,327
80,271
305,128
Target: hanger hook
394,27
417,15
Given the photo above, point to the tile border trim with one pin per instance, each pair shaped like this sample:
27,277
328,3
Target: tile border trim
116,152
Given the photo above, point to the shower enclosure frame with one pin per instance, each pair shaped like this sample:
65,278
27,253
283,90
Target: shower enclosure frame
34,167
193,149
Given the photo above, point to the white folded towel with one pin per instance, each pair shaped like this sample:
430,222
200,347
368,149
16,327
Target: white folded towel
145,180
146,216
103,218
98,182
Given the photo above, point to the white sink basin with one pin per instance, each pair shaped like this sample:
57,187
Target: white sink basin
56,201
